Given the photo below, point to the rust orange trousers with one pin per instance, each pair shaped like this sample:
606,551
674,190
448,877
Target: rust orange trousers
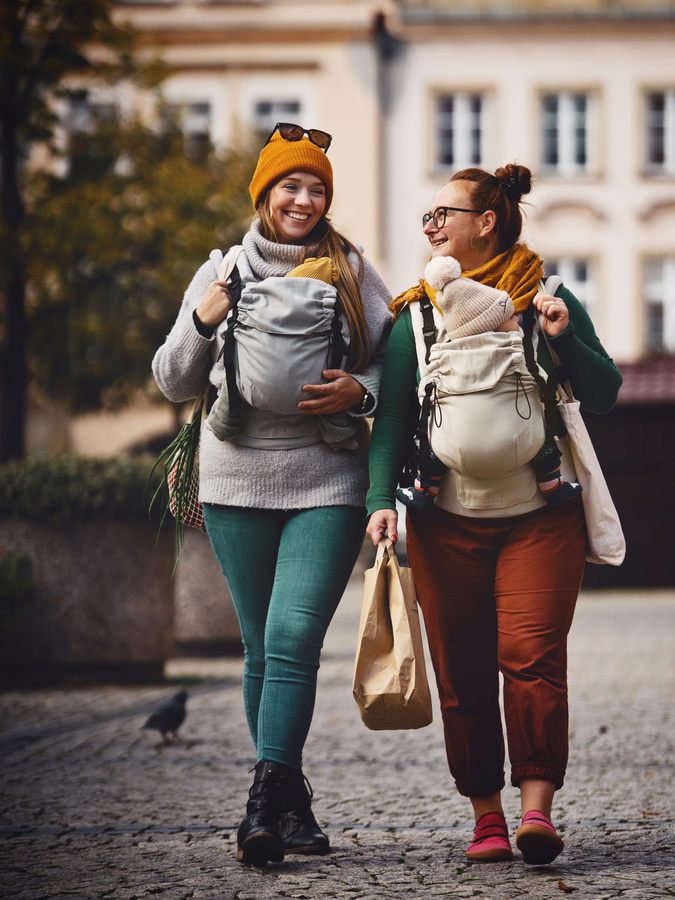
498,595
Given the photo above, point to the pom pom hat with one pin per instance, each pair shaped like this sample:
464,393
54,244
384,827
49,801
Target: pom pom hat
280,157
468,306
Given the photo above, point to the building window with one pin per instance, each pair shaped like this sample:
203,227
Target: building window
196,125
660,132
84,116
194,120
565,133
84,124
578,277
659,298
266,113
460,130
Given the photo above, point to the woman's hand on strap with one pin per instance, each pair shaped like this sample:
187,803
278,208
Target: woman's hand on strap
555,314
383,521
215,304
340,393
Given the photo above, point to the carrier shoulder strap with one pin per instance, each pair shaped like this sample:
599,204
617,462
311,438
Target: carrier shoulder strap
227,353
422,432
428,325
338,349
548,387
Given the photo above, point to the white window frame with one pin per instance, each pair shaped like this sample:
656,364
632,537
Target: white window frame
667,148
568,164
261,89
277,114
196,117
463,127
180,92
77,118
658,289
585,290
195,124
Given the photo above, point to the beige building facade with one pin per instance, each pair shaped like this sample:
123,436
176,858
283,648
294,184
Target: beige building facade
239,68
583,94
581,91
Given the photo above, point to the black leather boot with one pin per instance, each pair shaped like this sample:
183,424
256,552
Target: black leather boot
258,838
299,829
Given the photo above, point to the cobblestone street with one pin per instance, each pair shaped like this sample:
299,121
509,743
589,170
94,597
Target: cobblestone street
94,807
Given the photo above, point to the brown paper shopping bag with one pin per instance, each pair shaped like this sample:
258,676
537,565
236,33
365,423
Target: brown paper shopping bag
390,679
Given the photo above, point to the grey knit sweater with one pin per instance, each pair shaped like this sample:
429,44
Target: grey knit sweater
235,475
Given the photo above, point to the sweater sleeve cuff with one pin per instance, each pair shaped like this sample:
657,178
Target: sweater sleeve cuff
565,337
370,380
365,407
206,331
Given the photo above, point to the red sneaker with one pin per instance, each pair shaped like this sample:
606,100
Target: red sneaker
537,839
490,840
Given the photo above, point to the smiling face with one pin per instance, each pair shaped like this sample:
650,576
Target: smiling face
454,238
296,204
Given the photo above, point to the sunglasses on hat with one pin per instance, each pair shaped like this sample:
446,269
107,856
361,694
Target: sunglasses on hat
290,132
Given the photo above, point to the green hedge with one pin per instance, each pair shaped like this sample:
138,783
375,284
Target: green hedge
56,489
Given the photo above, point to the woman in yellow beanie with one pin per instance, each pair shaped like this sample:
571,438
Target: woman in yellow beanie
284,510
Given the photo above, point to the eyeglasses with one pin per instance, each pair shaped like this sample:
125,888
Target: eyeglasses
438,215
290,132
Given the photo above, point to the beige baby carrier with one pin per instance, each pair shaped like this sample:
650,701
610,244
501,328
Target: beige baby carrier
486,416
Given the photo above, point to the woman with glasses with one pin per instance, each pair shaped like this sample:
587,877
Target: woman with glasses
497,570
284,510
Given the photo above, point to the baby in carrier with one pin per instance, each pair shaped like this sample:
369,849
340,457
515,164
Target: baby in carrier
480,368
286,334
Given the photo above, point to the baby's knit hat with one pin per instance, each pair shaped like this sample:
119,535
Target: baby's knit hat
468,306
321,269
280,157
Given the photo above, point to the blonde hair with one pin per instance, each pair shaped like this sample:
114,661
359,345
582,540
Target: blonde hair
324,240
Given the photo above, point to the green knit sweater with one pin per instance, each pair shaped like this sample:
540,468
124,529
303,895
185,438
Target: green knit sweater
593,376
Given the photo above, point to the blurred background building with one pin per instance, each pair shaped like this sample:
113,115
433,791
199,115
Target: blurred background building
581,91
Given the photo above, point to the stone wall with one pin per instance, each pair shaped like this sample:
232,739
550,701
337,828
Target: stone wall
103,607
205,622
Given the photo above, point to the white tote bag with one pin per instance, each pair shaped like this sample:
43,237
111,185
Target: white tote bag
606,543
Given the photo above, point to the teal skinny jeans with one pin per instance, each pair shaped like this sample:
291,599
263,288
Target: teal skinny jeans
286,571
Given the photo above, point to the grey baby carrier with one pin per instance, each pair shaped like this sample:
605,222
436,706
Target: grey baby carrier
281,343
281,334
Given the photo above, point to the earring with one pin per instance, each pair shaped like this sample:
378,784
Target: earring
479,244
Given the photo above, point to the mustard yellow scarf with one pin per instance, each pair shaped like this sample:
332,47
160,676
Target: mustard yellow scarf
517,271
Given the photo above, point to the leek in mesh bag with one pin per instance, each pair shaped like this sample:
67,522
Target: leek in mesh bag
178,490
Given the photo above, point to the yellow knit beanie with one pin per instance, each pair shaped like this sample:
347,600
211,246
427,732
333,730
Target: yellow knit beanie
280,157
321,269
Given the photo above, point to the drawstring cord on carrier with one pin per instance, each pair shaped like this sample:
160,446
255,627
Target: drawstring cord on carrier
521,388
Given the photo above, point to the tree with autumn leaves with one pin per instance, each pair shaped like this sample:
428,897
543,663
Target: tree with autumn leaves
95,255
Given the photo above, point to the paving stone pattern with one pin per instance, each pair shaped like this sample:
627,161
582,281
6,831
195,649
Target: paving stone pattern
94,807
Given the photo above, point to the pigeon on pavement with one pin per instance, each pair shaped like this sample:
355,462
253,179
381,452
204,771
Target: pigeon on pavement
169,716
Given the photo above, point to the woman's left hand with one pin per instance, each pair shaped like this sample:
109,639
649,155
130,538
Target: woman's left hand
555,313
340,393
